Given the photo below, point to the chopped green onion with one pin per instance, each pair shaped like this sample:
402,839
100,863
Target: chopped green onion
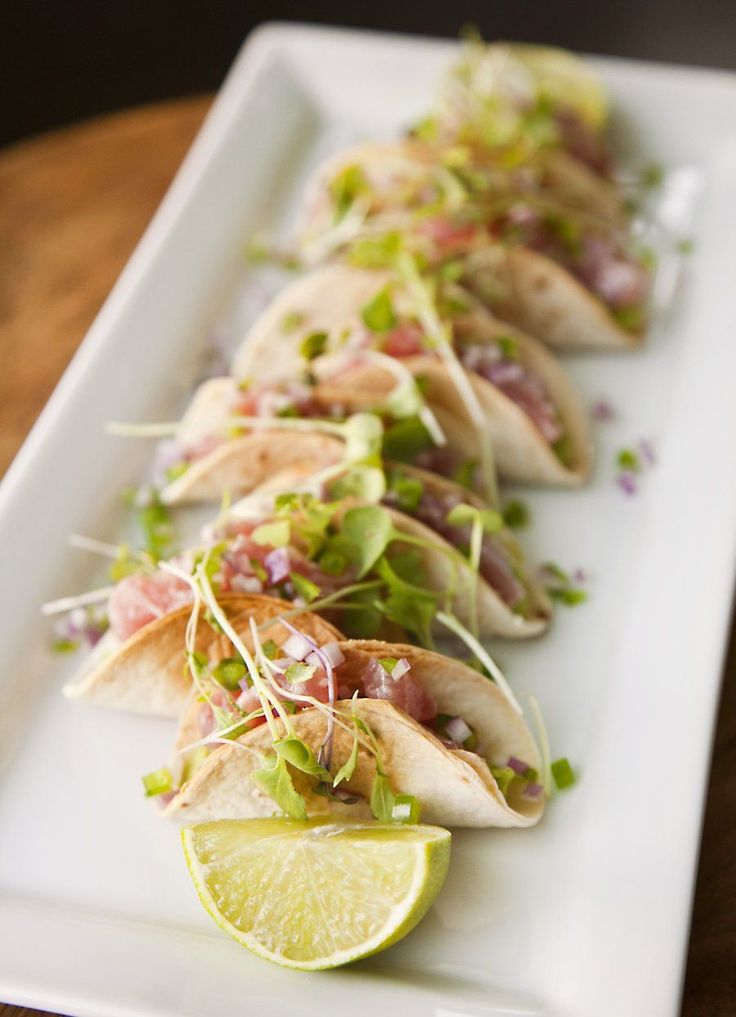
378,314
229,672
516,514
563,773
405,809
509,347
158,782
503,775
291,320
304,587
270,649
313,345
627,459
65,645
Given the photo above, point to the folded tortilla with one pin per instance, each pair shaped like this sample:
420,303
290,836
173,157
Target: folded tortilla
541,297
522,286
239,464
330,300
148,672
454,787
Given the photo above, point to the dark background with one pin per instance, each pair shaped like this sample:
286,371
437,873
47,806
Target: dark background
68,59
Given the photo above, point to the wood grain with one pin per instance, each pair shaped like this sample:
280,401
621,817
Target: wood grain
72,206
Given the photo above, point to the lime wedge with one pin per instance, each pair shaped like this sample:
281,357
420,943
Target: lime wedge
315,894
565,79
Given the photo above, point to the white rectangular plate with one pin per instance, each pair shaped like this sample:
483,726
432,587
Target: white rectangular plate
586,914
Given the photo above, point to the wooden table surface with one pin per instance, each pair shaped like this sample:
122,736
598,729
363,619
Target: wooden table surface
72,206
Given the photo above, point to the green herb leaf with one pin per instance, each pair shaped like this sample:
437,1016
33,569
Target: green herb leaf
175,471
277,782
367,530
362,617
463,514
378,314
407,490
368,483
405,439
313,345
154,520
375,252
562,773
345,187
274,534
347,769
299,754
410,606
382,798
299,672
388,663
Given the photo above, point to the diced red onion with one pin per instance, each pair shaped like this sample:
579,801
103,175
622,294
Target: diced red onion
297,646
400,668
517,765
246,584
533,791
458,730
313,659
334,654
626,480
277,564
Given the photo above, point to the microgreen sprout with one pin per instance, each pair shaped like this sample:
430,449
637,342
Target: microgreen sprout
438,334
560,585
450,622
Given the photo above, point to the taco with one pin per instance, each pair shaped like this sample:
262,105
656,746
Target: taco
562,268
222,445
408,722
520,103
516,394
140,664
405,184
